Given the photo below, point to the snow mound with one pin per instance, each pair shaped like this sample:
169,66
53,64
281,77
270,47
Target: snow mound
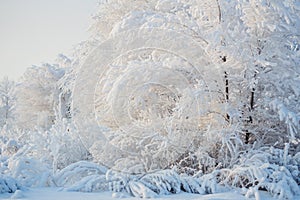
18,195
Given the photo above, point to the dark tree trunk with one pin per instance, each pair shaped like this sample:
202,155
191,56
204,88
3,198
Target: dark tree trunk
226,93
250,119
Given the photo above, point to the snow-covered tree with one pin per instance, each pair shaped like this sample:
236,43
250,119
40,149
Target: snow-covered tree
266,67
36,97
7,102
239,38
253,48
208,89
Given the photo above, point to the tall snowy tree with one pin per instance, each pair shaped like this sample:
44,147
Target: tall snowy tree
7,102
253,48
36,97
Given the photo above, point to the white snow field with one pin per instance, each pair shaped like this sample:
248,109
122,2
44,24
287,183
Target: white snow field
57,194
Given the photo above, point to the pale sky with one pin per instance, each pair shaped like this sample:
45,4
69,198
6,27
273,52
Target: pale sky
35,31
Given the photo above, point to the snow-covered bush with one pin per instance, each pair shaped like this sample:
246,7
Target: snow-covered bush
162,182
81,176
8,184
267,169
89,177
10,148
27,160
65,145
30,172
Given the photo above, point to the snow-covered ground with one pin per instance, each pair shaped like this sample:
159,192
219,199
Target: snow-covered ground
57,194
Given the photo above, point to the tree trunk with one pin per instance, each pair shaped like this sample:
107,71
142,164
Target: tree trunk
227,93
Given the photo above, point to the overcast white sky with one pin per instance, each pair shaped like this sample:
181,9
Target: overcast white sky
35,31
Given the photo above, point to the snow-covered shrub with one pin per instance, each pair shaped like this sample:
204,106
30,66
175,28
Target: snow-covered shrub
89,177
65,145
263,169
193,185
138,189
8,184
92,183
118,181
11,147
162,182
27,160
30,172
218,149
36,145
82,176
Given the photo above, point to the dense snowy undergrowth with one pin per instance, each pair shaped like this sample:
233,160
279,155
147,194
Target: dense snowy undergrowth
187,98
